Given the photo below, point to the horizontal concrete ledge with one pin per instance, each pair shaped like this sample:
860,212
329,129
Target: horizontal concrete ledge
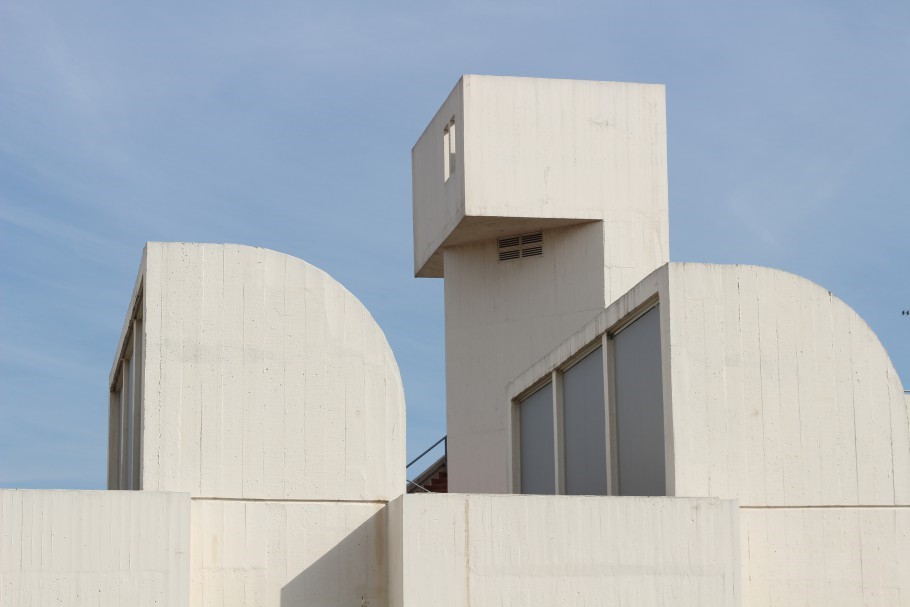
828,507
284,501
517,550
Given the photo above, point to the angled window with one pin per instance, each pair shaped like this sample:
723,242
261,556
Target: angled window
597,426
638,391
538,465
585,426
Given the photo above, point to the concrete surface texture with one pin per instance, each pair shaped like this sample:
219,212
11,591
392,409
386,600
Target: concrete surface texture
779,396
563,551
500,317
585,162
784,398
270,394
264,378
263,412
825,556
285,554
535,153
98,548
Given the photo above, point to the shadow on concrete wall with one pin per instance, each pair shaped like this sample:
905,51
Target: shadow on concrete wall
353,573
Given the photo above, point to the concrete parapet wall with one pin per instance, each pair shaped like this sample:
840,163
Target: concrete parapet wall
98,548
483,550
826,556
280,554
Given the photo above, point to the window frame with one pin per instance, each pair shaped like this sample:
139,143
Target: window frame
125,413
605,340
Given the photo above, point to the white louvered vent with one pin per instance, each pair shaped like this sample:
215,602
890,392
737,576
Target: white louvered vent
524,245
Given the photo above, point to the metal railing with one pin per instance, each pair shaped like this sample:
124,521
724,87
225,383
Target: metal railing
425,451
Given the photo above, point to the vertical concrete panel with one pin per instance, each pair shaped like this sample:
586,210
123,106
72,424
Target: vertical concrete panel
294,382
831,556
275,381
188,263
585,427
753,410
845,459
527,550
211,371
255,360
285,553
899,435
772,444
233,379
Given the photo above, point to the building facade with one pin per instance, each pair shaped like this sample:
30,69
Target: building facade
621,429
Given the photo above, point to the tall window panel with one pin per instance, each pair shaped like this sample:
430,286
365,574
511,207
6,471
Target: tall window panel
125,425
585,427
640,407
538,465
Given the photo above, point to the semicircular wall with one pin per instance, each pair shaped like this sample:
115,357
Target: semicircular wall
781,394
264,378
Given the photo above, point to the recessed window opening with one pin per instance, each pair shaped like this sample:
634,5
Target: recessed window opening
585,426
125,437
522,245
596,427
638,408
449,149
535,419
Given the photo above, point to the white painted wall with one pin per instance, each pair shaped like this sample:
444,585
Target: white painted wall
261,553
265,379
98,548
485,550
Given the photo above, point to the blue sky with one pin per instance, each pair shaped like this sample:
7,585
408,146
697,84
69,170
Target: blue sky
289,125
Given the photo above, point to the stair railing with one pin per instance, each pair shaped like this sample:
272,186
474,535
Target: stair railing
445,446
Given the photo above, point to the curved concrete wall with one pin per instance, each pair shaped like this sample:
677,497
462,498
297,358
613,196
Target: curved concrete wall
781,395
264,379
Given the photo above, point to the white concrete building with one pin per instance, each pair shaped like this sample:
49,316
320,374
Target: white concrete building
692,434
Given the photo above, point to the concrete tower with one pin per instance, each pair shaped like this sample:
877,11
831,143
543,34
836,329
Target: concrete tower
539,202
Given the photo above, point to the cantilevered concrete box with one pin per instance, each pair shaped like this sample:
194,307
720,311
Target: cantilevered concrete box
507,155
